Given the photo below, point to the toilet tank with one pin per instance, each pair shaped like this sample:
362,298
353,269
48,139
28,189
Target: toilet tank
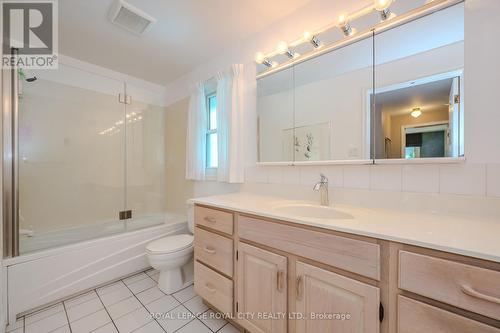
190,216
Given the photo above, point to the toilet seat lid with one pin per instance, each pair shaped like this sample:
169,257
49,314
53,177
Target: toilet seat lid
170,244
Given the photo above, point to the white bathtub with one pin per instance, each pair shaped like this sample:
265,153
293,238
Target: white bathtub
40,278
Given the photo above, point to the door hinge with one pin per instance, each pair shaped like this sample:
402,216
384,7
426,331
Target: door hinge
456,99
125,215
124,98
237,255
236,306
381,312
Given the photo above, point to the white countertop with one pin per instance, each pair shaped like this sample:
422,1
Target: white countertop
474,237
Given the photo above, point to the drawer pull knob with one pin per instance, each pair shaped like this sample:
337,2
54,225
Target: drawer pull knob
209,288
468,290
300,288
280,278
210,219
209,250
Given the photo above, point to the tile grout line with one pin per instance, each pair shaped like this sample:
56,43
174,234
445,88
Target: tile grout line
189,322
67,317
154,319
105,309
201,314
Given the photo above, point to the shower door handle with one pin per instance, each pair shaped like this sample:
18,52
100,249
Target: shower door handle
125,214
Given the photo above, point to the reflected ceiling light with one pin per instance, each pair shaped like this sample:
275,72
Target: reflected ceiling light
308,37
345,26
260,59
416,112
382,6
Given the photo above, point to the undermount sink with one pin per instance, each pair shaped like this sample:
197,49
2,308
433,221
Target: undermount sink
312,211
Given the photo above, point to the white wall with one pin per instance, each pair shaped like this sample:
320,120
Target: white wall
478,176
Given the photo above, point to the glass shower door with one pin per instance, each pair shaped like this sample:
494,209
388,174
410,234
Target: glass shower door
71,157
145,151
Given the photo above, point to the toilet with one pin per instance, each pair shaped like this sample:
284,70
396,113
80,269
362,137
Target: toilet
168,255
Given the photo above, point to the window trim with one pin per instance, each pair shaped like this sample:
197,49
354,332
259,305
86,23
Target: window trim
211,171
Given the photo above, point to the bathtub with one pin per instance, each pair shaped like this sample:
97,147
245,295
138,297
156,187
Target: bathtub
36,279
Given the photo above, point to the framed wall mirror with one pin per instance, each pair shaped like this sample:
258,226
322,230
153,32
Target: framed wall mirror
382,93
418,109
275,116
331,118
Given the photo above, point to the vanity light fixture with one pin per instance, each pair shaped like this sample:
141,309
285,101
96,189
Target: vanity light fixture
382,6
260,59
313,39
345,26
416,112
283,49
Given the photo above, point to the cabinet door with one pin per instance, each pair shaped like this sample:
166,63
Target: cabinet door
346,305
261,290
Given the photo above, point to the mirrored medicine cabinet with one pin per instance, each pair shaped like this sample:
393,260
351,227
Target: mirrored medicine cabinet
389,95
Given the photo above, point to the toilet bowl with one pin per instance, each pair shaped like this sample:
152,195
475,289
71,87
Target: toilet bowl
169,254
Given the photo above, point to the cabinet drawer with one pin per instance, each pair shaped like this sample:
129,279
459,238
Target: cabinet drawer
214,250
418,317
468,287
214,219
213,287
349,254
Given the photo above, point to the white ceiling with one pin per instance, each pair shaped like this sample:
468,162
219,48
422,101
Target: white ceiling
429,97
187,33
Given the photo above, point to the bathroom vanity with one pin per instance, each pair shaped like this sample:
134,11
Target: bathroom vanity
282,266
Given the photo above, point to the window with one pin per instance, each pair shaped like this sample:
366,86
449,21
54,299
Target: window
212,156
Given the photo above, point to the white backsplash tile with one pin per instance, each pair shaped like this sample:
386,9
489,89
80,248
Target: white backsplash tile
256,174
421,178
309,175
357,176
465,179
291,175
275,174
493,180
386,177
335,175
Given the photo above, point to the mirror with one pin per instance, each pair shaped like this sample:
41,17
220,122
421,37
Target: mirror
275,116
418,106
317,110
332,103
395,93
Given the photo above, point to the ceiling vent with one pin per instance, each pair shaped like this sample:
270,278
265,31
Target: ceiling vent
129,17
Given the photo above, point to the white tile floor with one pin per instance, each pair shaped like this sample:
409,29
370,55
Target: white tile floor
126,306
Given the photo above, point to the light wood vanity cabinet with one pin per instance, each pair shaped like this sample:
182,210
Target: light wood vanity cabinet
320,291
261,289
272,275
213,255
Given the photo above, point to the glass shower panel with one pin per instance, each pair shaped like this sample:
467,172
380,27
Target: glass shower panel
71,157
145,159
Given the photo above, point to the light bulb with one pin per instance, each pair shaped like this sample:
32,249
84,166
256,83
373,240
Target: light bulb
259,57
381,5
282,47
307,36
342,19
416,113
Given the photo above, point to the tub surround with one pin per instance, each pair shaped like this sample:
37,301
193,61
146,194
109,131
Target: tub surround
78,267
475,237
388,270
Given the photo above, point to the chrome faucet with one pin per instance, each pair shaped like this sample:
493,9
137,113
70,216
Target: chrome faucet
322,187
